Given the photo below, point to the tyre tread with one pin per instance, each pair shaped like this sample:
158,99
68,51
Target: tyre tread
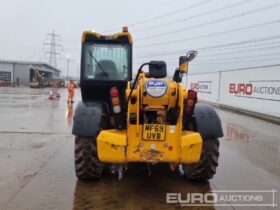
205,169
87,164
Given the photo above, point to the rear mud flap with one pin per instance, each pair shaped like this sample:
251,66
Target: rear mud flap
87,119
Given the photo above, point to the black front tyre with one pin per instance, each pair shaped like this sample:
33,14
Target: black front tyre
87,164
206,167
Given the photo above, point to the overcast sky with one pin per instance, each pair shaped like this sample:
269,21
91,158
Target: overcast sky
162,30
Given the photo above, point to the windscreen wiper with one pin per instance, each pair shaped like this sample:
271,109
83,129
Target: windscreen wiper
100,66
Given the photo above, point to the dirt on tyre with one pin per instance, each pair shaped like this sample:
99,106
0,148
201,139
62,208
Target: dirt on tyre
87,164
206,167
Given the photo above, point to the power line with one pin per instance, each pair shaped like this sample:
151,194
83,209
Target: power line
247,50
239,51
211,47
219,20
239,58
217,62
53,51
229,46
245,46
199,15
224,51
34,55
242,57
193,16
236,58
238,61
213,34
177,20
71,49
219,49
242,42
163,15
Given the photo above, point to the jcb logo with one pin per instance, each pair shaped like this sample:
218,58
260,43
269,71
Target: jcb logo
241,88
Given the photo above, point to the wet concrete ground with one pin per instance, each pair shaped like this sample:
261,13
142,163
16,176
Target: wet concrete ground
37,162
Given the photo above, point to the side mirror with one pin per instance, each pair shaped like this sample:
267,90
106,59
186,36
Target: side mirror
191,55
183,64
184,61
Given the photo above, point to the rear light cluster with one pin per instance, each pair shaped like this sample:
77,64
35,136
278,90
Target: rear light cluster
192,94
191,101
115,99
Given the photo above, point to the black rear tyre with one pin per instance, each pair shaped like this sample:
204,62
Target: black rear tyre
87,164
206,167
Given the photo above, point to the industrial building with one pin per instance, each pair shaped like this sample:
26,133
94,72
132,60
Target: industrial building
22,72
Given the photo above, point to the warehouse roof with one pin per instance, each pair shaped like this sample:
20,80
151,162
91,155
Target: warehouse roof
35,63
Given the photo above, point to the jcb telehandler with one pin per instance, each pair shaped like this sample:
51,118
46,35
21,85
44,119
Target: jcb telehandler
151,119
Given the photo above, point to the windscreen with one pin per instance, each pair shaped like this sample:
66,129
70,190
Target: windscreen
106,62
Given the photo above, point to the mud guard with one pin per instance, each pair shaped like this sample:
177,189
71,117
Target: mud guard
87,119
207,121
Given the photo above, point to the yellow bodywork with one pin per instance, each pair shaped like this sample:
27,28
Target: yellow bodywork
111,36
120,147
178,146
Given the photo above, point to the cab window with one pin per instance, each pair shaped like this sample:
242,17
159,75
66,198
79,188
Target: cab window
106,62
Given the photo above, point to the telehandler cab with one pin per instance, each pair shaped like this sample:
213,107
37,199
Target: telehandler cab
151,119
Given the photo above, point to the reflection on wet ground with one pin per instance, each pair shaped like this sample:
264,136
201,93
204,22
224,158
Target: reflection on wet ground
235,132
69,114
137,191
37,161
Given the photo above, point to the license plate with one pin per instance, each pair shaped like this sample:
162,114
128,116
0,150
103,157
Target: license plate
154,132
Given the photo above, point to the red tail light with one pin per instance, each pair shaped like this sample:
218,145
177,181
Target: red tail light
114,92
115,99
190,102
192,94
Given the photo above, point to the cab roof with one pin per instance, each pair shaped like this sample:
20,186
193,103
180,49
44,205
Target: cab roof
121,36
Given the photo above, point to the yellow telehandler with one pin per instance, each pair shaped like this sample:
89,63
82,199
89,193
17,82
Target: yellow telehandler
151,119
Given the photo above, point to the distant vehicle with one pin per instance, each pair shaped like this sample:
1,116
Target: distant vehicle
38,80
77,84
61,83
56,83
4,83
